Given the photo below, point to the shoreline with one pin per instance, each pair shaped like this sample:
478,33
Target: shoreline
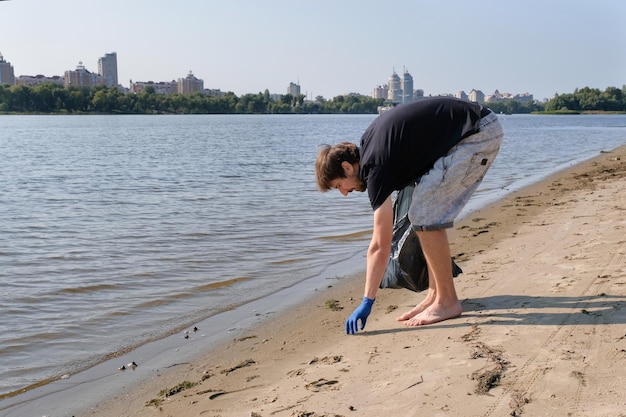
276,345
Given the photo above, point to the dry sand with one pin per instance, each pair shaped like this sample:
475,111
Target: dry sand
543,331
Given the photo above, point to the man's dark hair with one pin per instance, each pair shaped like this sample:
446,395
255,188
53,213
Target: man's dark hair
328,164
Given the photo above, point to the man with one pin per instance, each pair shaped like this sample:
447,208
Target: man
444,147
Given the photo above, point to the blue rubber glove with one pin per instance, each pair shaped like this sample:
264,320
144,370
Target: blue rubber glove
361,312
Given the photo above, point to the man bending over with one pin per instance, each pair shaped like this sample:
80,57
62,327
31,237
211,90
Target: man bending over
444,146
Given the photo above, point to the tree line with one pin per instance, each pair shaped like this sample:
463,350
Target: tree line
612,99
56,99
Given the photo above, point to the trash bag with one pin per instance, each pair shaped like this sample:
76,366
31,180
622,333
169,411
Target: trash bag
407,267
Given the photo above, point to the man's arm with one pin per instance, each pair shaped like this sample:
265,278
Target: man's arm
379,249
377,258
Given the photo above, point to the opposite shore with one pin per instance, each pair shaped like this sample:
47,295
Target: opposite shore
544,297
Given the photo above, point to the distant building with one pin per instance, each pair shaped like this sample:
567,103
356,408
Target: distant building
398,90
496,97
476,96
216,92
380,91
81,77
107,69
190,84
7,75
293,89
524,97
394,94
31,81
500,97
160,87
406,85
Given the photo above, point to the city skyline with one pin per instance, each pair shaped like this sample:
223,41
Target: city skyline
329,48
107,75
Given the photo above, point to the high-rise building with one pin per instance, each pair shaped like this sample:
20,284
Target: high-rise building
394,94
293,89
407,87
107,69
399,90
81,77
190,84
7,75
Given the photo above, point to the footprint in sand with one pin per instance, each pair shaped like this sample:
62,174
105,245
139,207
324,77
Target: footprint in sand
320,384
328,360
296,372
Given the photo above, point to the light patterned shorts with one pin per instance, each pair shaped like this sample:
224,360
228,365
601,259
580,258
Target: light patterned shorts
442,192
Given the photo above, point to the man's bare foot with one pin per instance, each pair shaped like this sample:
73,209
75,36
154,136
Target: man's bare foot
430,298
434,314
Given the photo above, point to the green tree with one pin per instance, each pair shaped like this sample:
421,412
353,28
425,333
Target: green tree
21,99
287,99
147,102
612,99
5,97
61,96
78,99
278,107
44,98
106,100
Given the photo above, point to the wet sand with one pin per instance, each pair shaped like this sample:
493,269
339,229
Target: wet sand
542,333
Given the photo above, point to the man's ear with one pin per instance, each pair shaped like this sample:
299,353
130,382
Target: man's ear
348,168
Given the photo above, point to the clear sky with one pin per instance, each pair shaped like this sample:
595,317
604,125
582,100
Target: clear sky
329,47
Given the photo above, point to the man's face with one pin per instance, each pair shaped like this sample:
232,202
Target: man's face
350,183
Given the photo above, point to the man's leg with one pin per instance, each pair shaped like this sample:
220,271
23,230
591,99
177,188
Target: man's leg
438,198
444,304
430,298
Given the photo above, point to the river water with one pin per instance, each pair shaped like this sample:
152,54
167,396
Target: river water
121,230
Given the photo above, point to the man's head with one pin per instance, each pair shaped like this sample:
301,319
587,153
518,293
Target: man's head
338,167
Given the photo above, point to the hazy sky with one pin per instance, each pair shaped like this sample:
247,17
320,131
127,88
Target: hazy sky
330,47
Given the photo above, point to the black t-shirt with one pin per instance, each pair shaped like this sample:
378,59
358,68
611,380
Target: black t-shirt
403,143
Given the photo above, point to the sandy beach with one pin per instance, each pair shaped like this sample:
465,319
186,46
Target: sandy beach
543,331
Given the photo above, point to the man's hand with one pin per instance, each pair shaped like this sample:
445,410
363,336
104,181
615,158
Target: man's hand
360,313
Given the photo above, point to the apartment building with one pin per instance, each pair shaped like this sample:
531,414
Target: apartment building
107,69
293,89
190,84
7,75
81,77
33,80
397,90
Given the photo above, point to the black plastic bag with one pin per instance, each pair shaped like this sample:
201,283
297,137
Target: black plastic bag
407,267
